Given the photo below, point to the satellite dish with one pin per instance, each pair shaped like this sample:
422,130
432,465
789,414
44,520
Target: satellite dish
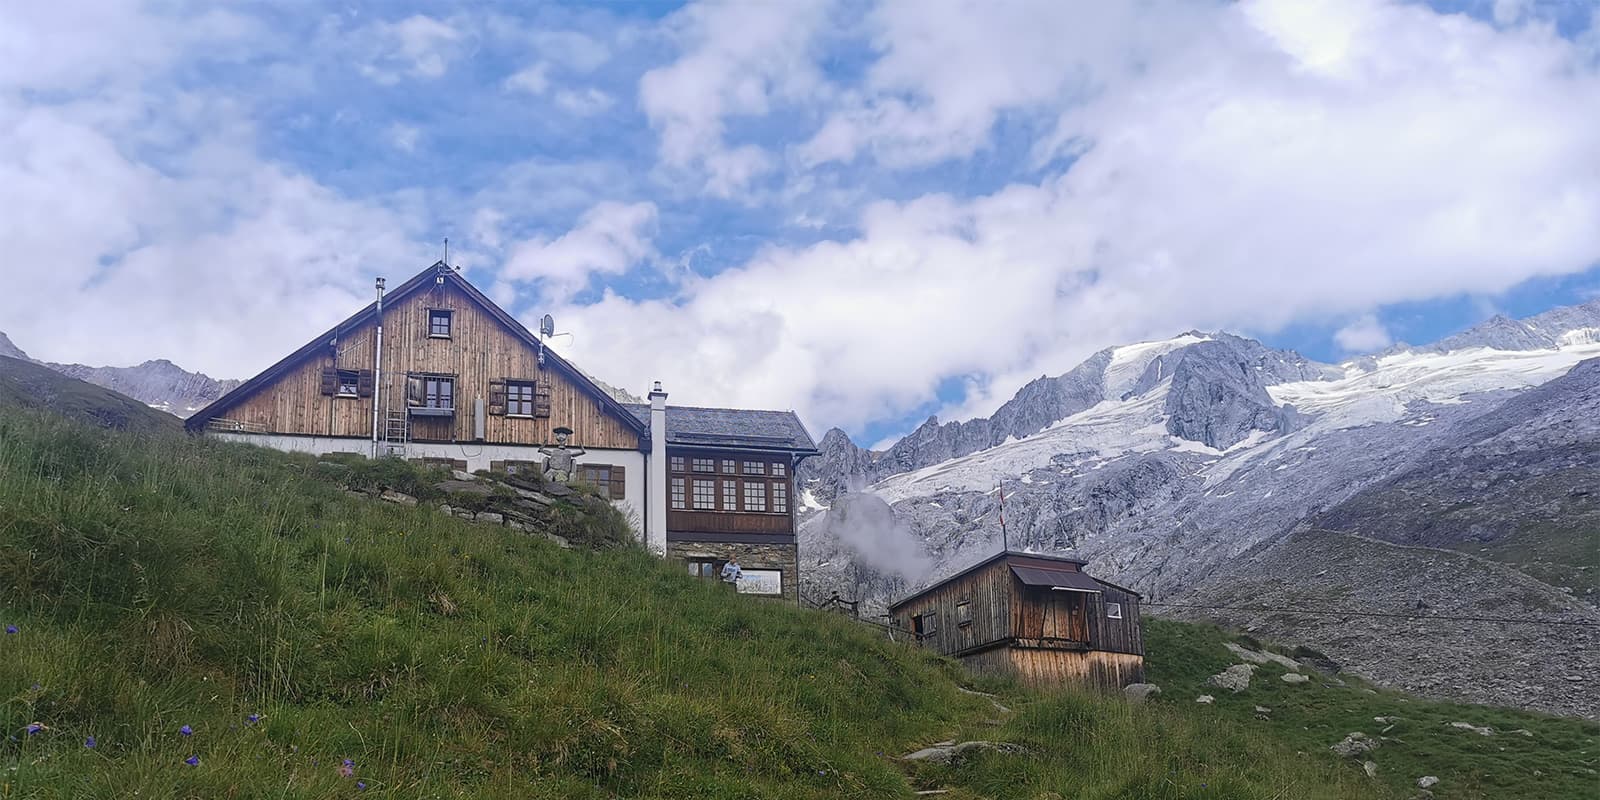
547,326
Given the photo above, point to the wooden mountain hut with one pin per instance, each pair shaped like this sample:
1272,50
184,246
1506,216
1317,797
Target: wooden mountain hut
1039,618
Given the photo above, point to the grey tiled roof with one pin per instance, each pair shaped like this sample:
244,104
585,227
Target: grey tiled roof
731,427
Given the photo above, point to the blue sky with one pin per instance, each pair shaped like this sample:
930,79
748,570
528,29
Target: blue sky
867,211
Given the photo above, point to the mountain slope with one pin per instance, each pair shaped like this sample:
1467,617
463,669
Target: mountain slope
26,385
159,383
1204,454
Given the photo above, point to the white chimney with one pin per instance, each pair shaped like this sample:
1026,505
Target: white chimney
655,526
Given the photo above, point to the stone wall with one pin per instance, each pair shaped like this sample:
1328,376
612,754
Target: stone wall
782,557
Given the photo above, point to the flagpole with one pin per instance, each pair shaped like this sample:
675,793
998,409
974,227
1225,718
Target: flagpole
1005,538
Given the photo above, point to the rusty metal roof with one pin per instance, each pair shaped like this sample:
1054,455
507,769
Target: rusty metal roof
1056,578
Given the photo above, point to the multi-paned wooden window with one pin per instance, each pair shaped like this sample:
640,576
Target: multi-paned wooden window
519,398
349,379
755,496
439,323
747,485
705,495
605,477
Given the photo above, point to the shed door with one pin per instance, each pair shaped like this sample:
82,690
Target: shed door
1046,613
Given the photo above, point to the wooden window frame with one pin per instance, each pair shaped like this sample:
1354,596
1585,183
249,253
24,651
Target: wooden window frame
354,383
677,494
521,398
695,566
449,317
778,494
964,613
710,486
1113,610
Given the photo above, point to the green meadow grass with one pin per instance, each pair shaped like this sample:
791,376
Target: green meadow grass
159,581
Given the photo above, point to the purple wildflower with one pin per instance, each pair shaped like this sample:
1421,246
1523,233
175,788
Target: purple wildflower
186,730
252,719
345,770
89,743
34,727
361,785
349,763
193,761
11,629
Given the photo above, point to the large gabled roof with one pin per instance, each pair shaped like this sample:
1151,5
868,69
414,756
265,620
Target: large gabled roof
734,428
416,283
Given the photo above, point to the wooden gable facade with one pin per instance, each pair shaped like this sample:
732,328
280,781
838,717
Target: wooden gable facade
446,348
1039,618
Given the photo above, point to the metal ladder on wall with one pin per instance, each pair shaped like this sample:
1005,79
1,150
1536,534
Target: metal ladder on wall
396,430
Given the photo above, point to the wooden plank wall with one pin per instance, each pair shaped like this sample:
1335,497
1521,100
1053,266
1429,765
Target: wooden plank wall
1101,670
1124,635
1043,613
988,590
480,350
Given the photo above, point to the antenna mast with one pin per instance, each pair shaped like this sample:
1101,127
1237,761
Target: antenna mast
1005,538
447,251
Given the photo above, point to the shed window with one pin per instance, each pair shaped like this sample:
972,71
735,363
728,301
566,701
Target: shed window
703,567
439,323
925,625
349,381
705,495
1114,610
678,500
608,479
438,392
963,613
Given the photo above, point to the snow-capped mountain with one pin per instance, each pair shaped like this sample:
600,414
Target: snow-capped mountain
159,384
1180,466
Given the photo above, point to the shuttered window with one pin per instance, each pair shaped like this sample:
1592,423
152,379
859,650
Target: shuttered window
347,382
520,398
610,480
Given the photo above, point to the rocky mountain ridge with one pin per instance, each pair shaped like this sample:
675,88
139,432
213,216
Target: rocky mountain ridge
1184,466
158,383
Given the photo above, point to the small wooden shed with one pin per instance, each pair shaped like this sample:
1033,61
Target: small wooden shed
1039,618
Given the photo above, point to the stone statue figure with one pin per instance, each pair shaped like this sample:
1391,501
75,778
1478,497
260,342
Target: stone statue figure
560,461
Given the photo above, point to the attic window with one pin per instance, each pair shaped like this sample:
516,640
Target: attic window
1113,611
439,323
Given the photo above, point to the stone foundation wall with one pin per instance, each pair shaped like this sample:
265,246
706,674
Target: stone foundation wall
782,557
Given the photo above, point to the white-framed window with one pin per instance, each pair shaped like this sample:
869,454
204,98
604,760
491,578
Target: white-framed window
705,465
1113,610
779,469
729,466
705,495
519,398
730,495
755,495
676,463
780,497
678,500
755,468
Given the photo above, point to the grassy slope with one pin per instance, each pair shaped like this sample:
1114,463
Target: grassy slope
1558,761
158,581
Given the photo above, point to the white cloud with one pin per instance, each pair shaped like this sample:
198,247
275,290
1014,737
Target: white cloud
610,238
739,60
404,137
1364,335
418,46
1280,161
533,79
585,103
